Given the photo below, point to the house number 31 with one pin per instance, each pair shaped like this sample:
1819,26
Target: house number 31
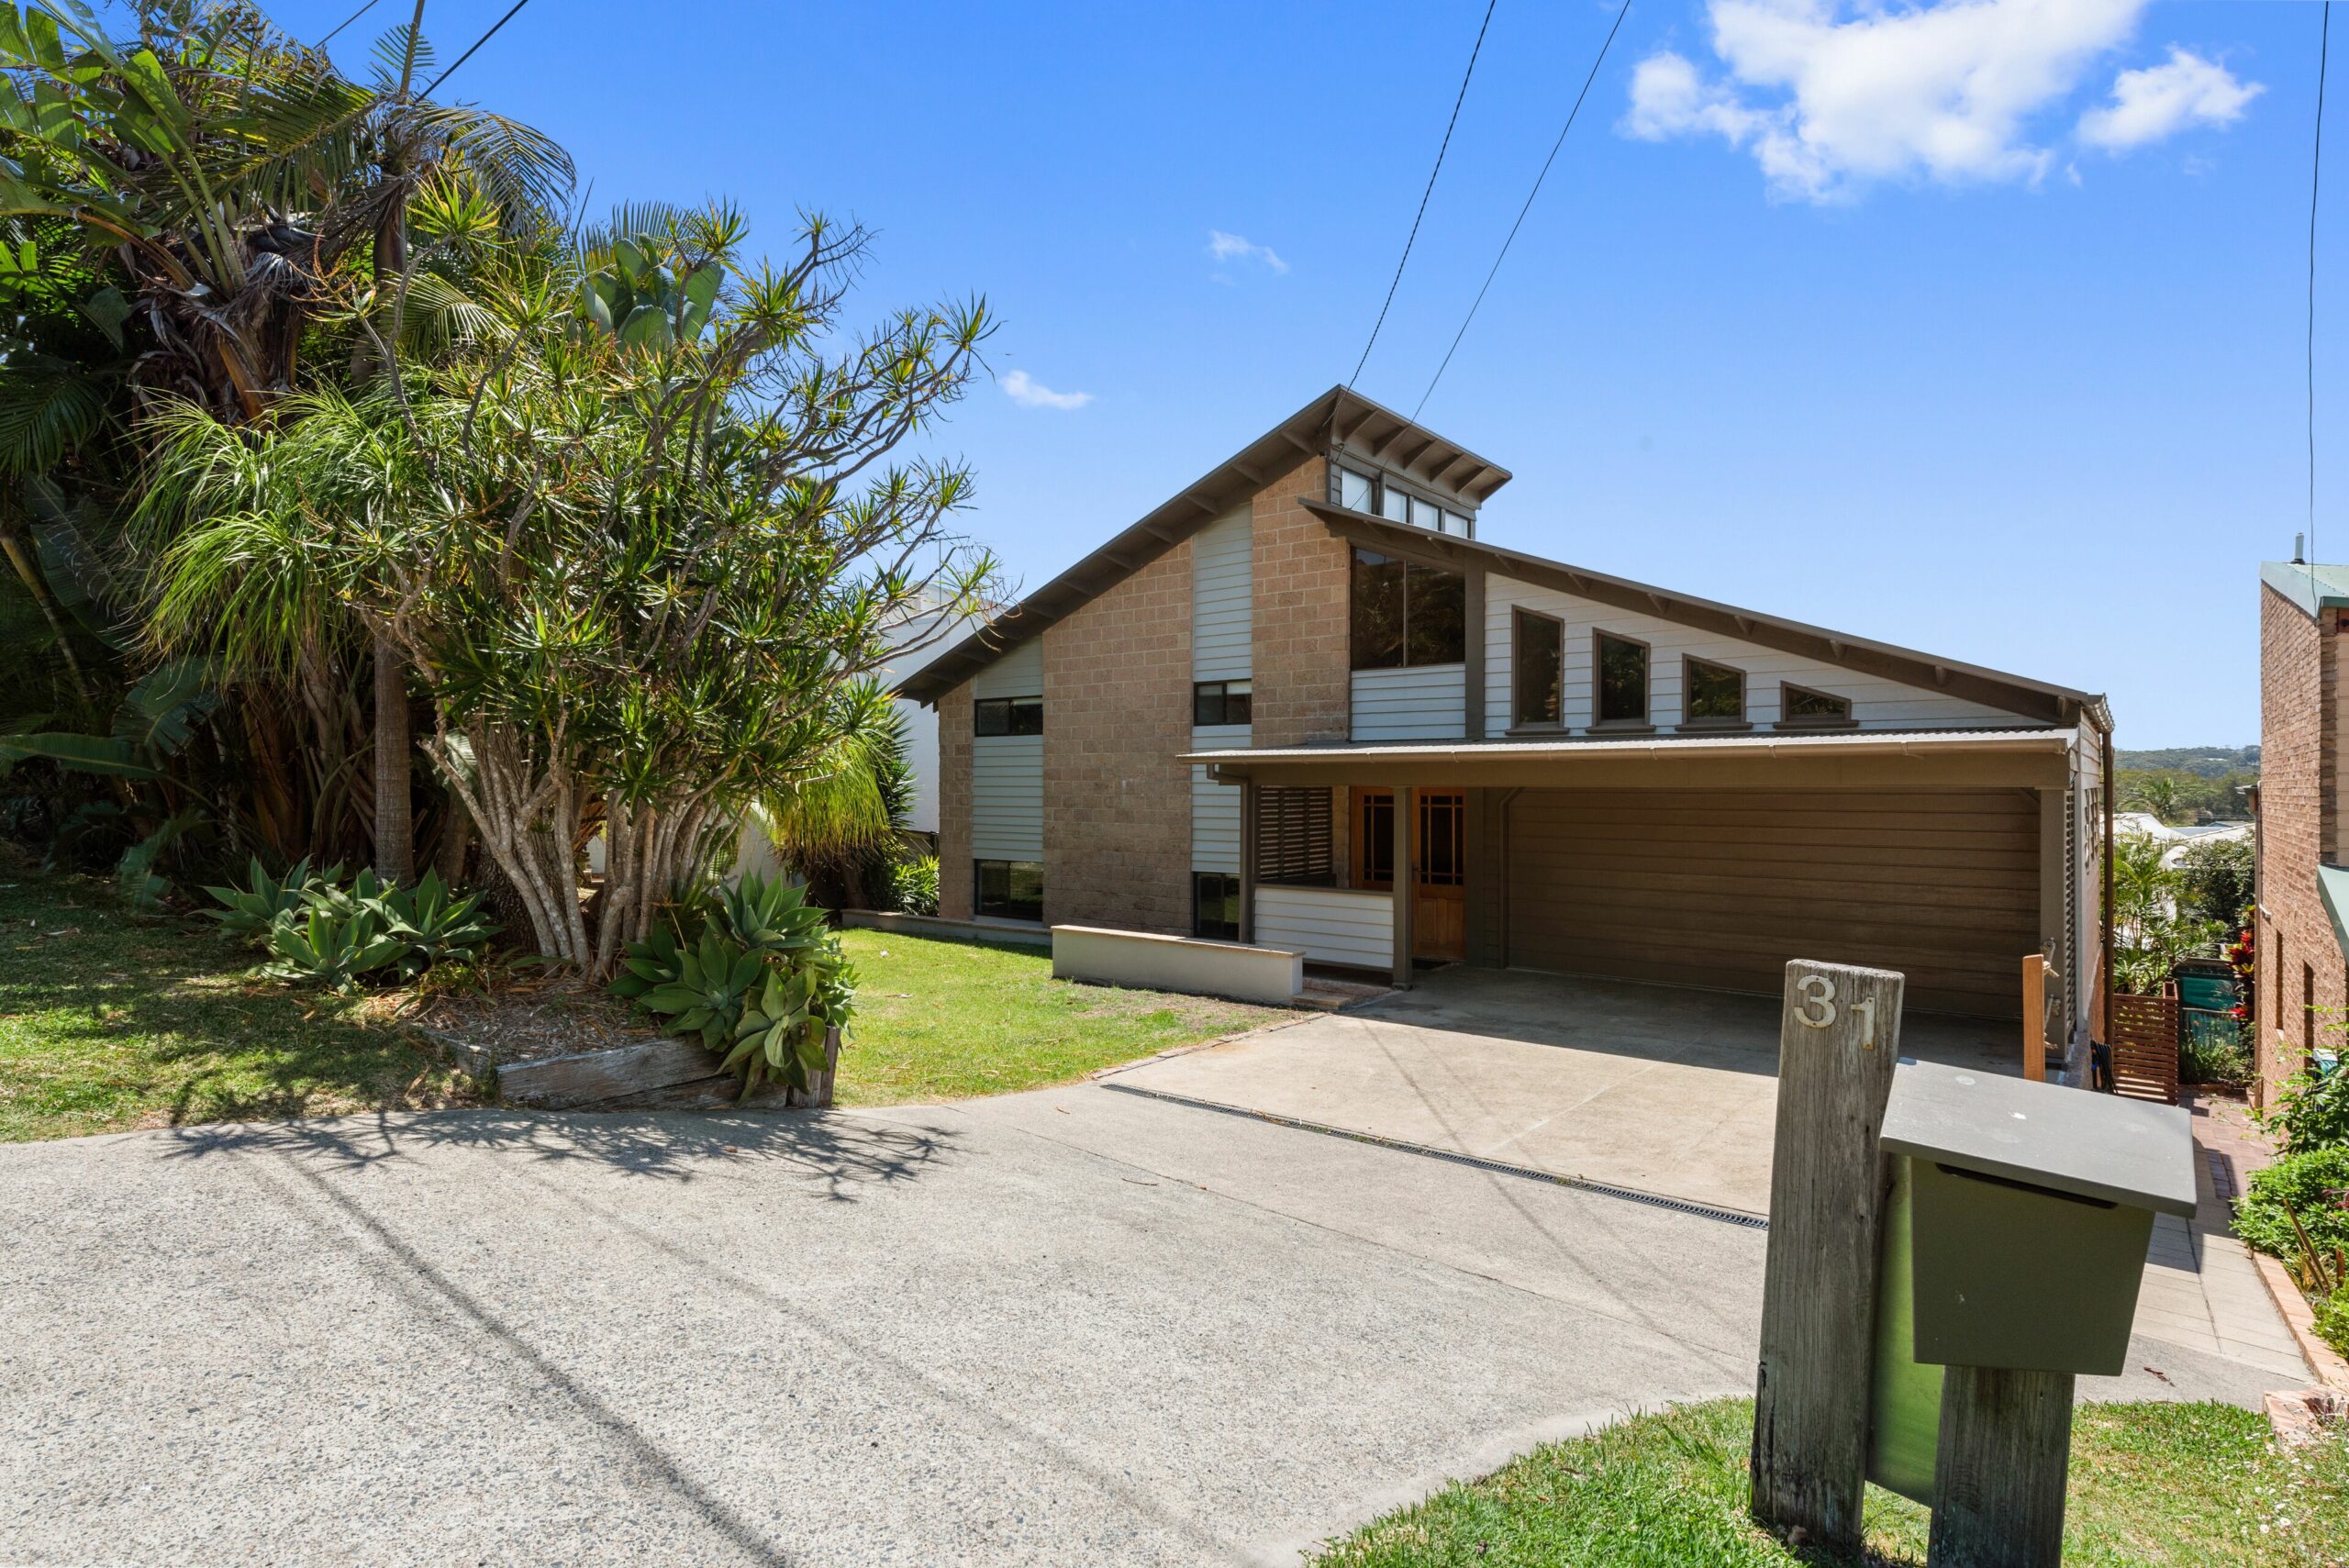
1817,1008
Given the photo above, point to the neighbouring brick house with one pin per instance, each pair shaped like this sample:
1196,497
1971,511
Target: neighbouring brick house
1304,704
2301,985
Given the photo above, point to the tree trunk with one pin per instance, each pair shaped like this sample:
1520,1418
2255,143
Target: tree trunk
395,819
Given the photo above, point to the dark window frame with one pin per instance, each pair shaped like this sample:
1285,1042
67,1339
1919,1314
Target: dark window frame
1014,716
1008,907
1520,617
1217,697
1689,718
1600,639
1412,572
1225,895
1787,720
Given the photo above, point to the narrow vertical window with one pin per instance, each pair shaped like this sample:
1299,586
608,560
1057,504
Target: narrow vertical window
1378,627
1540,668
1622,679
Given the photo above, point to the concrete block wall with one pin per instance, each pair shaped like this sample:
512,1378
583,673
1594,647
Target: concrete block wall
2300,957
1304,675
955,893
1117,718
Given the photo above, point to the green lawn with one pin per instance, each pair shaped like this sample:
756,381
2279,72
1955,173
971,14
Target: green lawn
107,1023
2154,1484
940,1020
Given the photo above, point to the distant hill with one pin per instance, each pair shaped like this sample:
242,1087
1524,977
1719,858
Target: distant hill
2205,761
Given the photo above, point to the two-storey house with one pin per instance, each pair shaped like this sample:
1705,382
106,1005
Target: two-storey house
1304,704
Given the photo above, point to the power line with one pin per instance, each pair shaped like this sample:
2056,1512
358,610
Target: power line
344,23
2316,169
1536,191
1457,100
478,43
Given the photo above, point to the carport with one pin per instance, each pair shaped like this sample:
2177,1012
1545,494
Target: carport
1702,860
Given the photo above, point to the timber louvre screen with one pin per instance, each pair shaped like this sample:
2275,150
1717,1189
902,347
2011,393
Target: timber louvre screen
1293,837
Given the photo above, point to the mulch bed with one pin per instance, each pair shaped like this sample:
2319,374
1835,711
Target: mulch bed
529,1020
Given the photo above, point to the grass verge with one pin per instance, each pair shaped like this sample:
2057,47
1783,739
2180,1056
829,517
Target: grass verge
2157,1484
943,1021
108,1023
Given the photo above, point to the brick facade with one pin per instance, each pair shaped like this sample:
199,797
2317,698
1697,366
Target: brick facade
955,893
1300,582
1117,717
2299,956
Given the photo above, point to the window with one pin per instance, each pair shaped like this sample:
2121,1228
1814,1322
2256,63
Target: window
1221,702
1215,906
1801,705
1444,838
1354,492
1405,612
1622,666
1293,837
1393,504
1540,667
1010,890
1715,694
1008,715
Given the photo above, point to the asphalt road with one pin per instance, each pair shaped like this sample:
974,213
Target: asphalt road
1077,1327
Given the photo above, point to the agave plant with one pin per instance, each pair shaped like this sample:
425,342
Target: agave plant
312,946
250,911
436,924
763,983
713,980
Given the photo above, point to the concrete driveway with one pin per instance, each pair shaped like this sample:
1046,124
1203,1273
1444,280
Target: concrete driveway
1648,1087
1065,1328
1068,1327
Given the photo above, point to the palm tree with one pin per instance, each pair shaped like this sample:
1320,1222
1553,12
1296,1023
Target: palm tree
204,185
2159,794
848,810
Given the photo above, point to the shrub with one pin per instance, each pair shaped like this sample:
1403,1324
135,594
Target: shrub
2310,1113
319,932
762,982
913,886
2333,1320
249,911
2312,1185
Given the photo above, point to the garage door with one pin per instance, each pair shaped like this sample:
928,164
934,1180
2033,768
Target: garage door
1721,888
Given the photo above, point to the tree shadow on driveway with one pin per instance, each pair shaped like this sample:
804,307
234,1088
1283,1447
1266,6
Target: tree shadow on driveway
836,1156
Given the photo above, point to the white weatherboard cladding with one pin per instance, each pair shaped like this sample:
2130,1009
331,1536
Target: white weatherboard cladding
1008,797
1876,703
1221,614
1420,702
1019,673
1215,808
1328,925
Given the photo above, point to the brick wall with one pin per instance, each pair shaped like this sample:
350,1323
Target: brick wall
955,893
1303,690
1117,717
2299,691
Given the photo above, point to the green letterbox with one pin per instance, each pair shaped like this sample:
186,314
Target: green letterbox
2030,1208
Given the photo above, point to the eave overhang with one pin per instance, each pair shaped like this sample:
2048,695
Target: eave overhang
1339,421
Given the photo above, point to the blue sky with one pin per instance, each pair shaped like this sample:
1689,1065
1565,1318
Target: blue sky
1976,327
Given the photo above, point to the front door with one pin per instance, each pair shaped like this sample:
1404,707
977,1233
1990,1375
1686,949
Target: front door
1439,897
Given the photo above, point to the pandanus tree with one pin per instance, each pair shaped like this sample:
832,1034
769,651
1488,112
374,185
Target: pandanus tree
655,522
213,193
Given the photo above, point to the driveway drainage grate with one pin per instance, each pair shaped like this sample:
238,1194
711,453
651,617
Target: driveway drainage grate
1579,1183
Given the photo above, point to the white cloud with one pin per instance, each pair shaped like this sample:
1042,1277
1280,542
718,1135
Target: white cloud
2161,100
1031,393
1829,95
1231,247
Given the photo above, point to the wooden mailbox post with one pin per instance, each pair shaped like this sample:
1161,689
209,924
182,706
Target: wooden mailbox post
1838,1036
